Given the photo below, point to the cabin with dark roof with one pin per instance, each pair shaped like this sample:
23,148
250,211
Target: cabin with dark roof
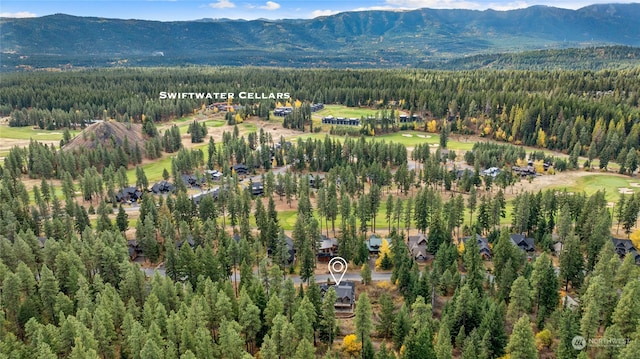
190,241
483,244
418,247
290,249
625,247
129,194
240,169
317,107
524,171
133,249
257,188
527,244
192,180
162,187
346,295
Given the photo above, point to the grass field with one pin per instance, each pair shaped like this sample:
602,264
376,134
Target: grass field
25,133
210,123
609,183
344,111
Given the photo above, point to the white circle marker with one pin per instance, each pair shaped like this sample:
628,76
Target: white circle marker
337,265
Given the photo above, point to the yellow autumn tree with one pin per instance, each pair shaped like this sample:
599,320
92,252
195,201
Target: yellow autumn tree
432,126
539,166
385,250
350,346
544,339
520,162
239,118
542,138
298,103
635,238
278,104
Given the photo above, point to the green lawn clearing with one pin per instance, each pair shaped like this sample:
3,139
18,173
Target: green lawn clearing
610,183
344,111
25,133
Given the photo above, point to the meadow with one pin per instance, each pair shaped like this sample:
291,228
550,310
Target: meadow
28,133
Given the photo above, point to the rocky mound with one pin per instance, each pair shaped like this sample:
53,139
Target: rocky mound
110,134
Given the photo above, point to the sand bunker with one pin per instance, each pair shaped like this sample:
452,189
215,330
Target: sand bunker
634,184
625,190
407,135
434,145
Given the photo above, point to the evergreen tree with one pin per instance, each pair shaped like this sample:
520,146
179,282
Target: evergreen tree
386,321
522,342
362,321
571,263
519,299
122,219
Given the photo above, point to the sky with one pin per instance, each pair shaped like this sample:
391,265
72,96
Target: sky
181,10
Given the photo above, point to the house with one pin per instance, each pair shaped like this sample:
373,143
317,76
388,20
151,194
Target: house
374,243
316,107
162,187
133,248
459,173
418,247
190,241
240,169
215,174
524,171
257,188
282,111
129,194
491,171
525,243
314,182
193,180
625,247
327,248
330,120
483,244
346,295
290,249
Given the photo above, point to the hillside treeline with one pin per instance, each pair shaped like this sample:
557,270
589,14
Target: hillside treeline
560,110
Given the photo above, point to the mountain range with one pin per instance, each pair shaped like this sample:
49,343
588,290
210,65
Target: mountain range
416,38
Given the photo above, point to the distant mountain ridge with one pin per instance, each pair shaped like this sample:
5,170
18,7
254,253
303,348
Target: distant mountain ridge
350,39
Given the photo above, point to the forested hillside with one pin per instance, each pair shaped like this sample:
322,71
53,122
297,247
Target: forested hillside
385,39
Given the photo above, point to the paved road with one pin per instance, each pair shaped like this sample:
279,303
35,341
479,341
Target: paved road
320,278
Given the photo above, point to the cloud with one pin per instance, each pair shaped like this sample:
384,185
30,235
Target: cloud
270,5
317,13
434,4
222,4
508,6
20,14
